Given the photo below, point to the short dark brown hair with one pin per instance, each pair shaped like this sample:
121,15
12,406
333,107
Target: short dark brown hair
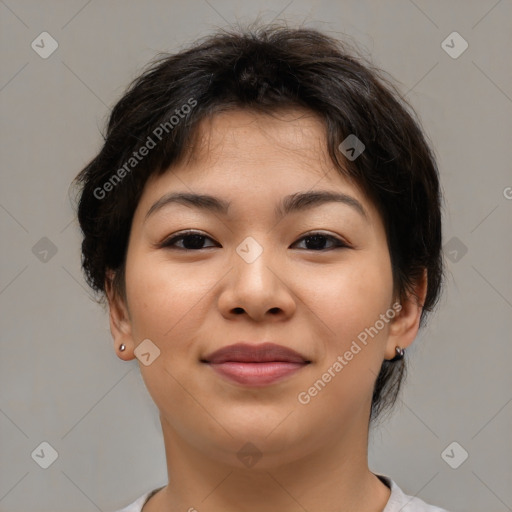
266,69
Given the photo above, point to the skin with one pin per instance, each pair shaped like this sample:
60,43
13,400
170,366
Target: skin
313,300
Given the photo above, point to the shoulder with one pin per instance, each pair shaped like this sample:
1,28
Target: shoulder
401,502
137,505
398,501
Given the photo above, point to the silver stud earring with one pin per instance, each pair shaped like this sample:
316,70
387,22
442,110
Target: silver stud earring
122,347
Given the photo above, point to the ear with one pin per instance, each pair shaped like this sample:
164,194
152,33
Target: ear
120,323
404,327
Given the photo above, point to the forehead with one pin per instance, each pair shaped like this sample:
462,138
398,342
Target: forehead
256,168
233,144
239,154
245,138
286,126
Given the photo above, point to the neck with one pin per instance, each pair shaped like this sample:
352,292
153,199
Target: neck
333,478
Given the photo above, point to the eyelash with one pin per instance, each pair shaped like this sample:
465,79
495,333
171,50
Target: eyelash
169,243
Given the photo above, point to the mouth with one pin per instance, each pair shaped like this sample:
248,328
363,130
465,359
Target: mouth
256,365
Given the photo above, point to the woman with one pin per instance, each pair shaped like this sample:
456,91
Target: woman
264,223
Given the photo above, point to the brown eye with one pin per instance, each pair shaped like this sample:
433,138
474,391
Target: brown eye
192,241
317,241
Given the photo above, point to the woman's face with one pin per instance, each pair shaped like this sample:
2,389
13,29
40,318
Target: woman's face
256,277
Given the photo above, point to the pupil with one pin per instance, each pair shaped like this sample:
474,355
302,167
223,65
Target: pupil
197,241
319,241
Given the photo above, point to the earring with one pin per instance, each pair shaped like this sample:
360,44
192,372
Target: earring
122,347
399,354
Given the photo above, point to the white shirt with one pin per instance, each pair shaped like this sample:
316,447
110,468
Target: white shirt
398,501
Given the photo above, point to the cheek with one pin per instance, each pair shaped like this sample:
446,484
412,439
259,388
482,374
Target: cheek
351,299
350,302
164,298
165,302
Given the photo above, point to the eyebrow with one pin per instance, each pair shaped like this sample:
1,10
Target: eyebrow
299,201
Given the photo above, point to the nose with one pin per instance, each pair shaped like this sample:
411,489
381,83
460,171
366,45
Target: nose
259,288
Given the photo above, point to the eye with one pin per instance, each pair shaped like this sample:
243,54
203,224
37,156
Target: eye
192,241
317,241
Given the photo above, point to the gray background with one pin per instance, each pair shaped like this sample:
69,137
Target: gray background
60,379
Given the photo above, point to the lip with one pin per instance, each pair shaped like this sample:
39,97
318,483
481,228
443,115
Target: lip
262,353
256,365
